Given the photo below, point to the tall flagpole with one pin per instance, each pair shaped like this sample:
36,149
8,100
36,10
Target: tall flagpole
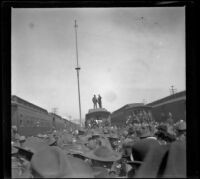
77,70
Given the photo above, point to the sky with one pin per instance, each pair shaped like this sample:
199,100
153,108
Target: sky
127,55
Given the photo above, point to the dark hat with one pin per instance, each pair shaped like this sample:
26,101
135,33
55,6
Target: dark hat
103,153
53,163
162,127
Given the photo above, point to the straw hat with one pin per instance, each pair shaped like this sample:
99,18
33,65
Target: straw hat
103,153
53,163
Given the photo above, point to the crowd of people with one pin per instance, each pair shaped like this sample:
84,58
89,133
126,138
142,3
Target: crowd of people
144,149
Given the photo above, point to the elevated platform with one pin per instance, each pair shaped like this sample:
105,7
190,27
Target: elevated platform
97,114
97,110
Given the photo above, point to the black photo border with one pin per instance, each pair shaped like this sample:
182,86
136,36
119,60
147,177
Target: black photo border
192,71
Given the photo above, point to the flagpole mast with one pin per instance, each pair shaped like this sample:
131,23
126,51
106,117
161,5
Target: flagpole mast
77,70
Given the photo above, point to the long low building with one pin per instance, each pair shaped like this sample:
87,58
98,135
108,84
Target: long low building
31,119
121,116
174,104
158,110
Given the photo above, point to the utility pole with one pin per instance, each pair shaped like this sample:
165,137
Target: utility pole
77,70
54,111
172,90
144,101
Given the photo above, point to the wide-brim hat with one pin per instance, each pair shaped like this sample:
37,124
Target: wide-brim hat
75,148
32,145
144,133
50,140
112,136
103,153
84,139
65,139
52,162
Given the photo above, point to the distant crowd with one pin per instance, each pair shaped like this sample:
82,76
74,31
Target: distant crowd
143,148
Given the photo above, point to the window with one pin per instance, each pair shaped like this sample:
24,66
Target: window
21,123
28,123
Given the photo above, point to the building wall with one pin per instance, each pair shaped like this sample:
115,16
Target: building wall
14,114
178,110
31,119
119,117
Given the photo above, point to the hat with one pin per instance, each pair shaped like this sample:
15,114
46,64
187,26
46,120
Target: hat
75,148
145,133
50,140
14,150
181,126
14,128
65,139
84,139
32,144
113,136
22,139
162,128
125,133
53,163
103,153
105,131
81,131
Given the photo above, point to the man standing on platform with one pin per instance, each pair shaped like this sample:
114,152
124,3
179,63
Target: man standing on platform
94,99
99,101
